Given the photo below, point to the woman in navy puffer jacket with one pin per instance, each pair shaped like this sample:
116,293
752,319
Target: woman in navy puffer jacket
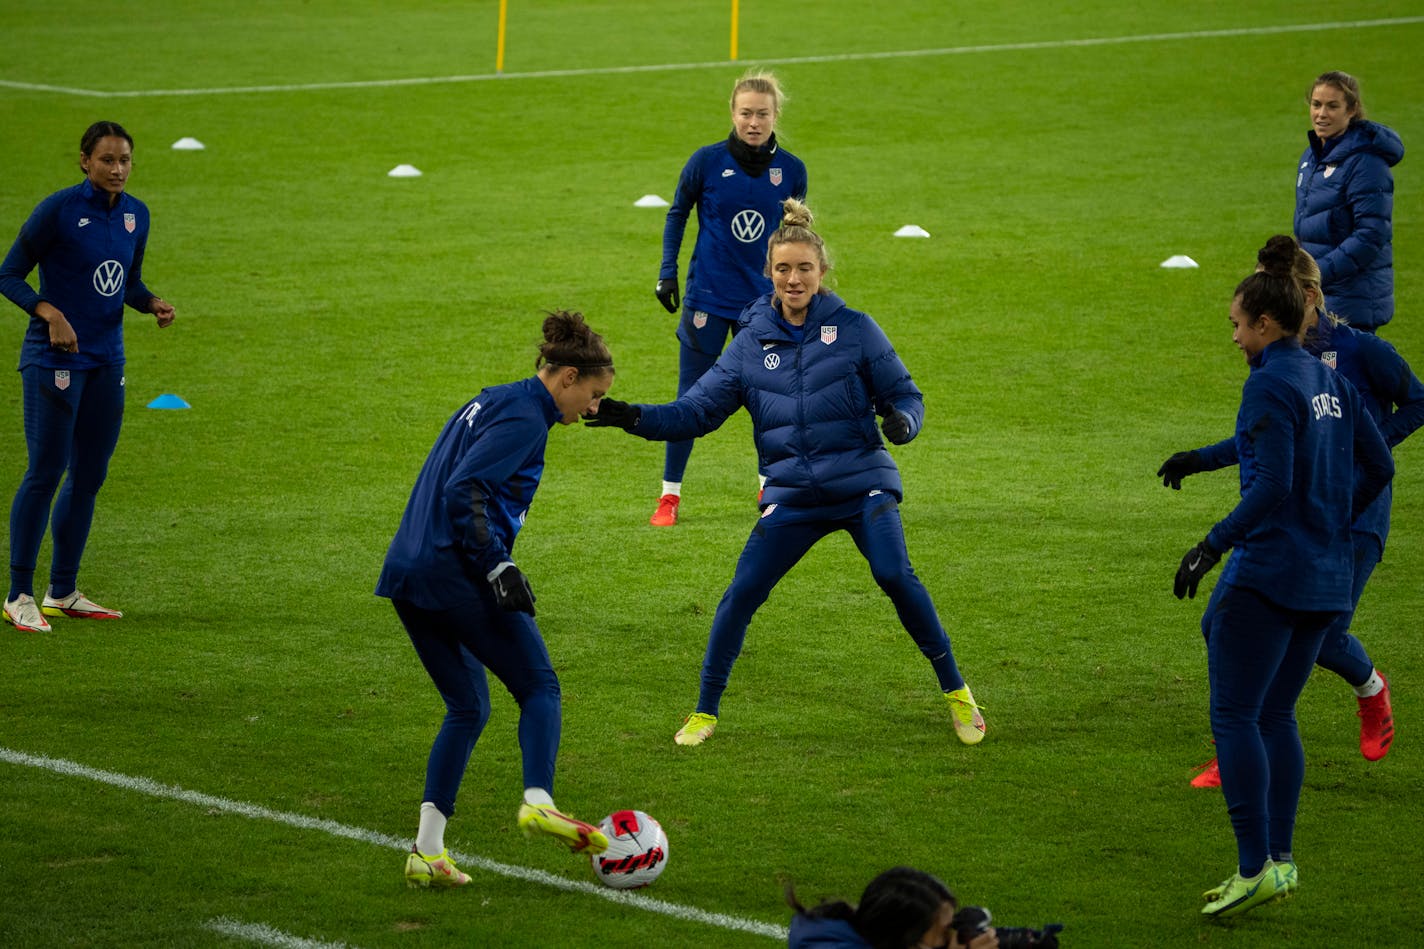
813,374
1344,202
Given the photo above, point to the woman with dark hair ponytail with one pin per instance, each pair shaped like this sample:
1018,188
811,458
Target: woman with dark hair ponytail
1393,397
450,575
1311,460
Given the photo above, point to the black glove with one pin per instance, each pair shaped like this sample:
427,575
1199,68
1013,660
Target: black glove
1179,466
1195,565
613,412
666,292
511,589
896,427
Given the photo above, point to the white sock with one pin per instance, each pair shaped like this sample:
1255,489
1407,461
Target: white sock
673,487
761,481
1374,685
430,839
538,797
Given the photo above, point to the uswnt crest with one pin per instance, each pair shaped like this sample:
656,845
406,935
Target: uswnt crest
828,335
129,223
1328,358
775,177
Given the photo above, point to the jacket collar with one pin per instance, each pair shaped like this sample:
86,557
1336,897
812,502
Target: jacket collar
541,396
98,198
766,319
1275,350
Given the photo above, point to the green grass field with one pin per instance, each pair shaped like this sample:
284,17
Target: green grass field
331,318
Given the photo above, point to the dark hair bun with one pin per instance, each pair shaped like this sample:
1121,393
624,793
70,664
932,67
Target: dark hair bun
1278,256
565,327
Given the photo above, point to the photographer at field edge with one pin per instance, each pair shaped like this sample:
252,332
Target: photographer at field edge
902,908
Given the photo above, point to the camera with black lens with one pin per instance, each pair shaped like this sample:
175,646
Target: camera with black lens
973,921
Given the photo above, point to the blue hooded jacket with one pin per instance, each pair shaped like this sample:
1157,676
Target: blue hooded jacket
1344,210
813,402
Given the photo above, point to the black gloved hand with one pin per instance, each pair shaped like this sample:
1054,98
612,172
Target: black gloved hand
666,292
896,427
613,412
1179,466
511,589
1195,565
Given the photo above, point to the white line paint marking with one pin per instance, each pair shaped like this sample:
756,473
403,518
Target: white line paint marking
673,67
258,932
302,822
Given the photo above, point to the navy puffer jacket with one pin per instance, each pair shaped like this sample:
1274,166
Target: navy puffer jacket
1344,208
813,404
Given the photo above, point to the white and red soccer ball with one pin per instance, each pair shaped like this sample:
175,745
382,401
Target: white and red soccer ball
637,850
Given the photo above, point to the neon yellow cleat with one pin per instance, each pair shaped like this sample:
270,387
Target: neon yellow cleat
1237,894
968,722
696,729
440,871
578,836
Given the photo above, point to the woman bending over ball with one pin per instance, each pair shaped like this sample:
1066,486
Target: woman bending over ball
451,576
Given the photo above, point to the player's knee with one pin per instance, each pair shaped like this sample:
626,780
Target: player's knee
898,582
542,689
468,719
44,480
87,482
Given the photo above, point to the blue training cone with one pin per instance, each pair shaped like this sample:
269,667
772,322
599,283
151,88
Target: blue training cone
169,401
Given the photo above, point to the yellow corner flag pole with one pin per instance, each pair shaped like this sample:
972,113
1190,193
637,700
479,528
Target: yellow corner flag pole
499,48
735,5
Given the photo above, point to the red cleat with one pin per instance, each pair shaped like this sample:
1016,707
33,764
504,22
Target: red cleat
666,514
1376,724
1209,777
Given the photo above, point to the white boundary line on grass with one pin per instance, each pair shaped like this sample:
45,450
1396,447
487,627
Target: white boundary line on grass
259,932
302,822
671,67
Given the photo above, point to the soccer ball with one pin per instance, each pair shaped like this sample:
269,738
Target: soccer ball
637,851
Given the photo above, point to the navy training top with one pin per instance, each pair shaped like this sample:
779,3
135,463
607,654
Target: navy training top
471,497
736,214
1393,397
1301,432
90,258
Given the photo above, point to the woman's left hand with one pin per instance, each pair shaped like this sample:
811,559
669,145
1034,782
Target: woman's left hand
162,311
